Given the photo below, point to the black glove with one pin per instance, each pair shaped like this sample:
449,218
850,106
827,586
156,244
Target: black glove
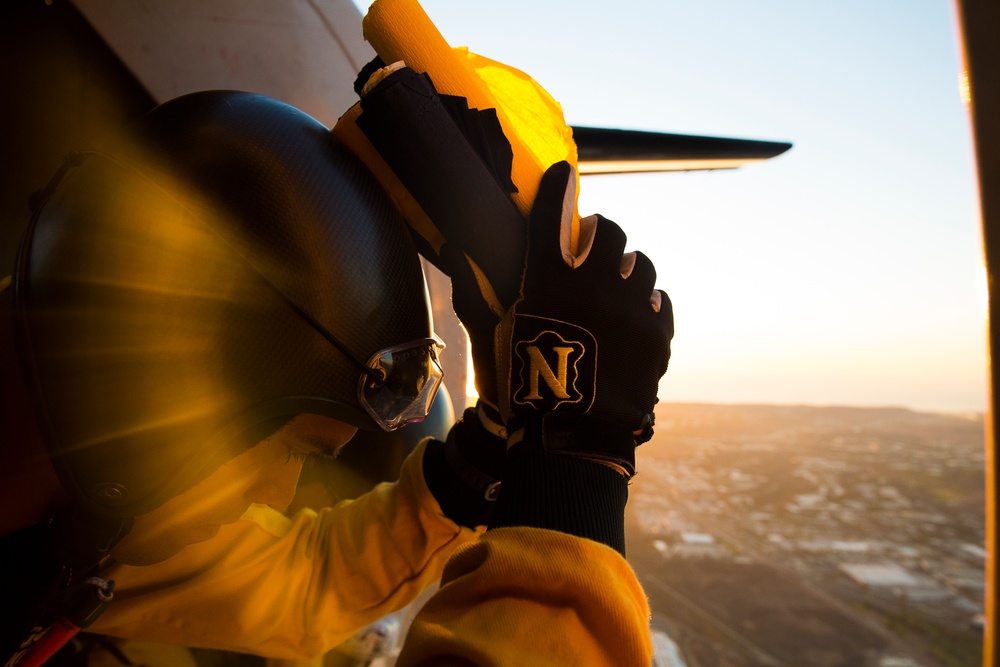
589,335
463,473
479,310
580,357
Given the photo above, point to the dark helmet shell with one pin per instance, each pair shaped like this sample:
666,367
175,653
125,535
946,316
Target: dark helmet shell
151,294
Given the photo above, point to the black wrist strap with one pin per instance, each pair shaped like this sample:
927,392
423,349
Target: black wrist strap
470,475
460,502
463,473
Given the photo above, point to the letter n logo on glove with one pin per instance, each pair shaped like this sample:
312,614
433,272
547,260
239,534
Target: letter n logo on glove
553,364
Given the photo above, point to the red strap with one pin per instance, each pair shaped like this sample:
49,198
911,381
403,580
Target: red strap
42,646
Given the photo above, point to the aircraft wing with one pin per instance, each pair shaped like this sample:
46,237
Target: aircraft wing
609,151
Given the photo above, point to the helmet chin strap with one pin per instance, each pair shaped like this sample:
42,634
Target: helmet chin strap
66,594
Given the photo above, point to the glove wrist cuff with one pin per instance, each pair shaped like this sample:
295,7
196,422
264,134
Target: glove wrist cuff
582,436
563,493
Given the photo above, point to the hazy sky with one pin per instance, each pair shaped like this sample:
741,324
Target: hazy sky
843,272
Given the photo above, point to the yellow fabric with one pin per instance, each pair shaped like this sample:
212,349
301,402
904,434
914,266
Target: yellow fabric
146,654
532,121
531,115
291,587
527,596
295,588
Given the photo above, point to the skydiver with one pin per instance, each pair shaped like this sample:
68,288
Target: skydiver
228,292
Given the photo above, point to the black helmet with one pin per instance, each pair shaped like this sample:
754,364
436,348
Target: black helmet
180,297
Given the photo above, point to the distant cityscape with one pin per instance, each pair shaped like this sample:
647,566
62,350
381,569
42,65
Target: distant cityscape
801,536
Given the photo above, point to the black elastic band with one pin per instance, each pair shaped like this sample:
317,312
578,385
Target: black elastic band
564,493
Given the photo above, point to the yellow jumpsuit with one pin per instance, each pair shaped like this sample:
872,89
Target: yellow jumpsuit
297,587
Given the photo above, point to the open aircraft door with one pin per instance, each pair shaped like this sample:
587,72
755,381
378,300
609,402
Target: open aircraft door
979,22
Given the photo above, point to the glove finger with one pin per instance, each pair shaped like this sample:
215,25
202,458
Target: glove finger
606,251
665,307
551,217
639,273
665,317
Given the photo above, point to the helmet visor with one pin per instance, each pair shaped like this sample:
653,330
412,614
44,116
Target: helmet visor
402,382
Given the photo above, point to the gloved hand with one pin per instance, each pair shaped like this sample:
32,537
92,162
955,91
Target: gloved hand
589,335
541,355
463,473
580,357
479,310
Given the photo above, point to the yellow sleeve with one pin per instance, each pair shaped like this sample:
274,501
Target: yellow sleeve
529,596
296,587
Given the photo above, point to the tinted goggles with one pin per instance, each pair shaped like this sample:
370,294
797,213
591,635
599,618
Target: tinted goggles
400,382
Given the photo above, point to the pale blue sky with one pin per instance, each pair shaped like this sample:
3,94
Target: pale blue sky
843,272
